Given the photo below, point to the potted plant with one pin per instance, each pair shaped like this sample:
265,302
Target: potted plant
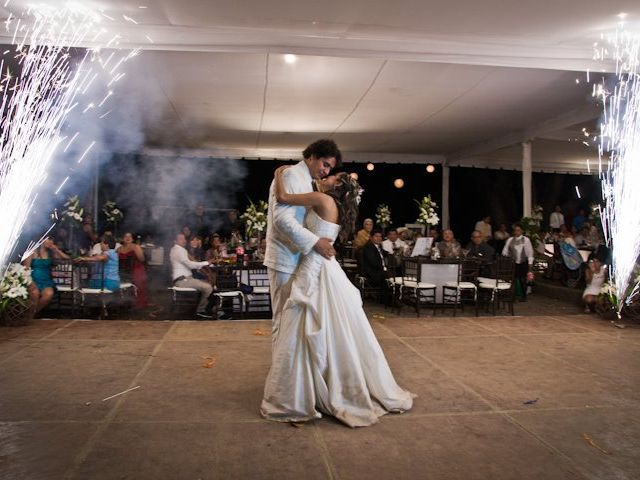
14,295
383,216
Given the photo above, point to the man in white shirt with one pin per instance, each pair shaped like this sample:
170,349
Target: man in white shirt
182,276
484,227
519,248
287,238
556,219
393,243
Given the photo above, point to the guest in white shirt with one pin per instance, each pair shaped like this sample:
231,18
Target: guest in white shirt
519,248
484,227
97,248
393,244
556,219
182,276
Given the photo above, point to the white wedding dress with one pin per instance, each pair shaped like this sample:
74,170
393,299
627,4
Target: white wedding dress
326,358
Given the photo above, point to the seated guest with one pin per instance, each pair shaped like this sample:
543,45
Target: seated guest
195,249
519,248
393,245
230,225
132,254
111,275
403,234
217,250
258,255
484,227
42,287
363,236
578,236
567,236
372,260
579,220
97,248
198,221
595,277
186,231
87,236
449,247
478,248
182,276
500,236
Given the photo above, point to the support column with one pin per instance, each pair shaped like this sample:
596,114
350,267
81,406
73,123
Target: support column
445,196
526,178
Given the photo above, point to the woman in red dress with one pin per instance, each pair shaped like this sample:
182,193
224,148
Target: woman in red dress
131,253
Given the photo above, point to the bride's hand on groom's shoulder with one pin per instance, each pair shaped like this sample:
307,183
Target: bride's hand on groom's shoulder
280,170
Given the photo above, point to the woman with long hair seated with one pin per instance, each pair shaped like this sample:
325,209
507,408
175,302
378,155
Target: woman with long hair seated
326,358
43,287
132,254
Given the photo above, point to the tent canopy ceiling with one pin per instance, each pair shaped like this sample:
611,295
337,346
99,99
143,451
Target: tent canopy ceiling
411,80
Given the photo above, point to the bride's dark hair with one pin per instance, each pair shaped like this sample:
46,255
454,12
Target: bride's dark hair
346,193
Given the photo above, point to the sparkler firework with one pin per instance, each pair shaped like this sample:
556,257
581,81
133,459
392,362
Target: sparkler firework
51,81
619,173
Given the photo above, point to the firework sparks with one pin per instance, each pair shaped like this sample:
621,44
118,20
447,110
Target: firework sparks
620,142
35,103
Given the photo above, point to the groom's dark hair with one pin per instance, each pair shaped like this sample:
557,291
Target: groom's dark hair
324,148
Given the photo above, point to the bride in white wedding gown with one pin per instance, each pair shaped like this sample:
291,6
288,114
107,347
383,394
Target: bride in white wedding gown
326,358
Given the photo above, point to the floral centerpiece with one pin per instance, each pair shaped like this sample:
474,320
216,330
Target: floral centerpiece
255,218
427,215
73,212
383,215
14,293
113,214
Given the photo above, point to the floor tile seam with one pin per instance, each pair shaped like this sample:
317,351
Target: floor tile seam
449,375
406,416
102,426
609,334
542,351
35,342
549,446
325,454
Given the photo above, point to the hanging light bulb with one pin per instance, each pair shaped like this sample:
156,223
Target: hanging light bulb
398,183
290,58
370,166
431,168
354,175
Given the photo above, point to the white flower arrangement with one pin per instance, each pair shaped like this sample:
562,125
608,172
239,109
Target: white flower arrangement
255,218
427,209
383,215
73,211
113,214
13,286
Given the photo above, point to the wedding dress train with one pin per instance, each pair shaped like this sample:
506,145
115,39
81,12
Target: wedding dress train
326,358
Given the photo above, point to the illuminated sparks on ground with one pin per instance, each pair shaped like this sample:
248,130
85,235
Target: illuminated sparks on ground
619,159
52,78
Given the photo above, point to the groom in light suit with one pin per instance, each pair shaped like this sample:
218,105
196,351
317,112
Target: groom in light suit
286,236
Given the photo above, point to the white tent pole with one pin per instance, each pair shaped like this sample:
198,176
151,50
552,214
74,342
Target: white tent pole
445,196
526,178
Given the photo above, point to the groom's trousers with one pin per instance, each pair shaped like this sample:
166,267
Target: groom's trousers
280,290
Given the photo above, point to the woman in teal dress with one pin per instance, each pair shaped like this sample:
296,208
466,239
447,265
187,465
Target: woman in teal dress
42,287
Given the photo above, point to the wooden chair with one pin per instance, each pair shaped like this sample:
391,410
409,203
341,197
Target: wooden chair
259,300
413,291
465,288
500,288
65,277
91,288
230,298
